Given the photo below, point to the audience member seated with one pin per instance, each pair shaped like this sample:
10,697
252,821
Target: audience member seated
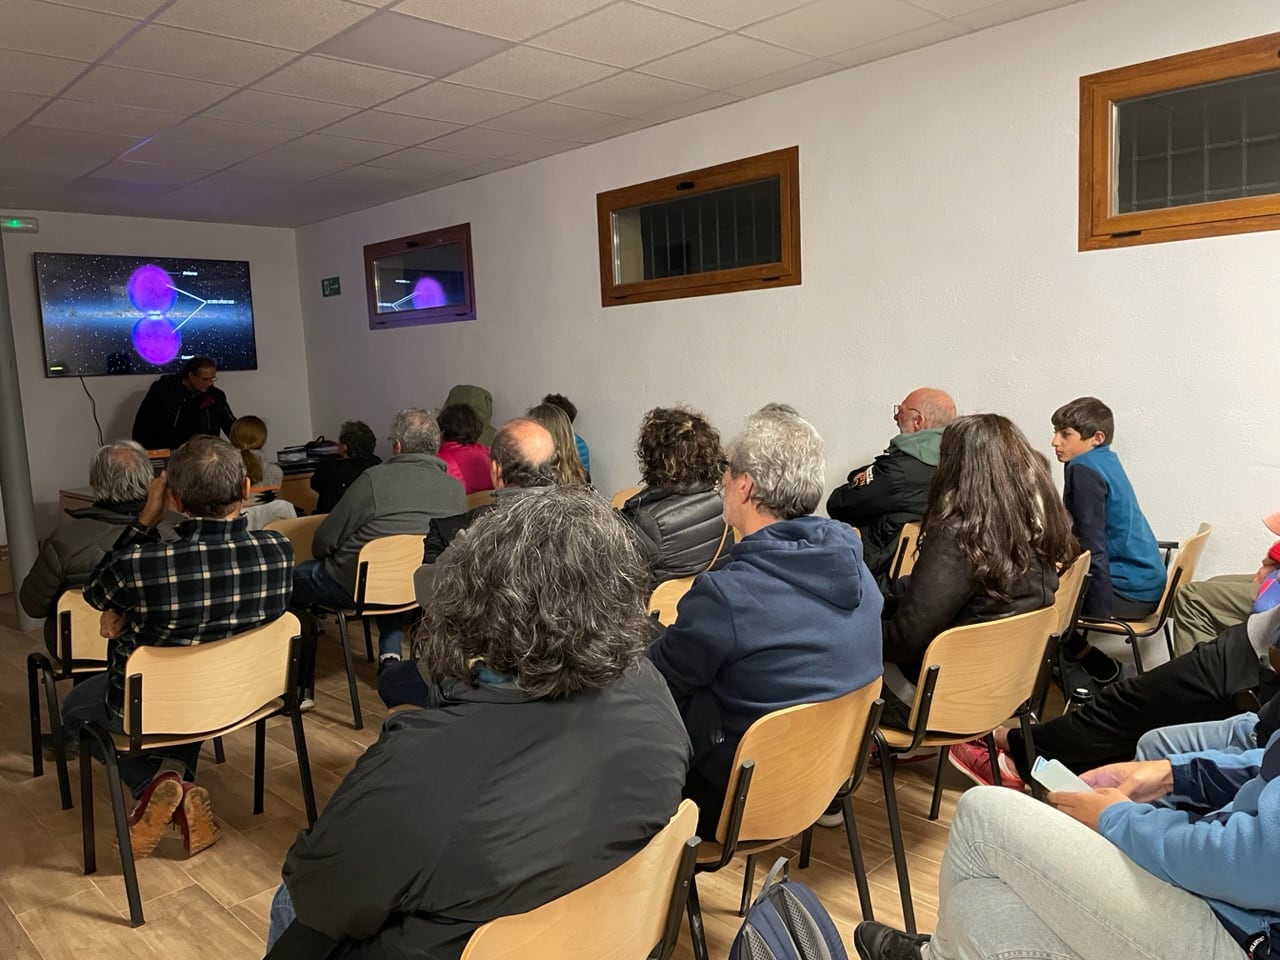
571,411
467,460
892,490
1126,572
678,517
356,444
216,579
1203,609
182,405
402,495
119,476
249,435
1214,681
1147,878
794,617
481,401
994,536
572,473
549,751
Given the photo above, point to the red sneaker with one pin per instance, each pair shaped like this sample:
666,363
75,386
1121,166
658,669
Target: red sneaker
973,760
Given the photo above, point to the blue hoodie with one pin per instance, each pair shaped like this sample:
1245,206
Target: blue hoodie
1229,857
794,617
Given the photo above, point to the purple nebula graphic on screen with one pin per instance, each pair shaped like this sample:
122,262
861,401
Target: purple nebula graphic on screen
427,293
156,339
151,290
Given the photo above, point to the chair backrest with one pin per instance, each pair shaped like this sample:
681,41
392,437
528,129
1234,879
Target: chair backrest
666,598
479,499
904,557
81,620
1183,568
986,671
301,531
388,578
620,916
802,755
623,495
1066,602
208,686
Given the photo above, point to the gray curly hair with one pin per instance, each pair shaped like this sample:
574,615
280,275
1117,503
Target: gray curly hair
549,589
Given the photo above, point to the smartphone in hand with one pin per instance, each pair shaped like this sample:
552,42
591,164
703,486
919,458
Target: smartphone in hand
1056,778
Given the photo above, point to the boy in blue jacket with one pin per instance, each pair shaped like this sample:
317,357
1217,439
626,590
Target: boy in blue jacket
1126,572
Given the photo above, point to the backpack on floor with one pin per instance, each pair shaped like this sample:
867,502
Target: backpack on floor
787,922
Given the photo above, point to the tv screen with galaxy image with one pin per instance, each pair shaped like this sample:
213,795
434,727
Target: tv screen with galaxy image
105,315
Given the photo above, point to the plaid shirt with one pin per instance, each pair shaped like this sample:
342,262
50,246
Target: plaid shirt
216,579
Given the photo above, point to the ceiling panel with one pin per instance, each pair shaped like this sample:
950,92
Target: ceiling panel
390,128
138,9
729,14
169,149
512,19
998,13
71,143
216,132
485,144
134,88
785,78
554,120
630,94
527,72
274,109
32,73
106,118
137,171
423,160
625,34
293,24
457,104
397,42
911,40
16,107
725,62
198,56
59,31
335,81
55,167
829,26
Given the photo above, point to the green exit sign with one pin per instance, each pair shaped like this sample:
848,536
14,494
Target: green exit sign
330,286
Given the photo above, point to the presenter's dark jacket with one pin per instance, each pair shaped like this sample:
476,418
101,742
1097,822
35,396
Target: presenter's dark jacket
485,804
172,413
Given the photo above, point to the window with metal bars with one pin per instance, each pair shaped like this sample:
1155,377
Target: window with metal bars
1187,146
735,226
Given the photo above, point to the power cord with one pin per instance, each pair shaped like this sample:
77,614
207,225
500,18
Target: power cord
93,406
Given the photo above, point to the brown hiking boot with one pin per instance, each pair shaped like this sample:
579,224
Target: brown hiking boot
194,818
154,812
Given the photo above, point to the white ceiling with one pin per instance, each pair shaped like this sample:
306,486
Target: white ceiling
285,112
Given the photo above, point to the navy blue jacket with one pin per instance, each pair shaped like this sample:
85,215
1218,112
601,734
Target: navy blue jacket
794,617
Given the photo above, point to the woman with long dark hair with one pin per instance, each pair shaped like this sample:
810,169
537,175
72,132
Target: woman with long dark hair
993,538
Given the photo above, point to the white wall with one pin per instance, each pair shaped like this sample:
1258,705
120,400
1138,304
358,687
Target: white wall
938,205
61,437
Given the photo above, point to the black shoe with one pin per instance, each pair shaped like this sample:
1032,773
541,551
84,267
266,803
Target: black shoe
385,663
875,941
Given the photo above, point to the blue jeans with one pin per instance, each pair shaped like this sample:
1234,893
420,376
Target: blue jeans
1232,735
311,585
281,915
87,702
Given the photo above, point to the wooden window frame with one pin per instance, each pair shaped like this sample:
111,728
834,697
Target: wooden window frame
784,164
1100,228
459,233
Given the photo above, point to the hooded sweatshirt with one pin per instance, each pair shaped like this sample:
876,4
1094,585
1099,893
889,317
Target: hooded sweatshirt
481,401
883,495
794,617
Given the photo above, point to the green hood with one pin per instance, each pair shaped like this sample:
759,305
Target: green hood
923,444
481,401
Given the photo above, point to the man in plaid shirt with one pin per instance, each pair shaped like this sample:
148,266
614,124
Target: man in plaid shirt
216,579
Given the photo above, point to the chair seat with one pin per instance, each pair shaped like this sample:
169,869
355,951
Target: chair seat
372,609
710,852
153,740
901,739
1142,628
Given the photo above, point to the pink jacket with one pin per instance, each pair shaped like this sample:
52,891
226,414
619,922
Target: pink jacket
468,463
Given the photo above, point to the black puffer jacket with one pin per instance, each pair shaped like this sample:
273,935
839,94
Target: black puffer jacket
679,531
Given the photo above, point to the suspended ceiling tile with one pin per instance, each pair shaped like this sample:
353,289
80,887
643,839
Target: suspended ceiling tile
484,144
729,14
397,42
500,18
135,88
708,101
137,9
527,72
106,118
33,73
336,81
274,109
293,24
725,62
169,149
911,40
455,103
423,161
198,56
786,78
16,107
215,132
73,143
137,171
630,94
625,34
1009,10
59,31
828,26
342,149
390,127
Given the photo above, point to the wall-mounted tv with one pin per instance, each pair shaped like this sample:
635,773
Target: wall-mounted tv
104,315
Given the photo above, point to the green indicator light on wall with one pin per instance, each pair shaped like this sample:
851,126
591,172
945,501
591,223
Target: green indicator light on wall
20,224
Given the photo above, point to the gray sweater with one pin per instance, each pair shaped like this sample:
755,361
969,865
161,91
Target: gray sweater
402,495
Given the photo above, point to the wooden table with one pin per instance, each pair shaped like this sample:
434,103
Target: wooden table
296,488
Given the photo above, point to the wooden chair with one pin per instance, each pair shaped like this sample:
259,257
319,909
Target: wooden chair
904,557
631,913
789,765
1066,603
623,495
177,695
81,651
1181,572
666,598
384,584
972,680
301,532
479,499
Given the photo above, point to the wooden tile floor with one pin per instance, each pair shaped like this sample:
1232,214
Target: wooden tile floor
215,905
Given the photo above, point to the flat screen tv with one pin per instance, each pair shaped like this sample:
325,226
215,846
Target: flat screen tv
104,315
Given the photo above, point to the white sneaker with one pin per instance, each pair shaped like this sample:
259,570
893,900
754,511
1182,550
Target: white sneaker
306,705
831,819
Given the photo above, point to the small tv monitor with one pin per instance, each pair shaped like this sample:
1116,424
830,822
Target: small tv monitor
105,315
424,278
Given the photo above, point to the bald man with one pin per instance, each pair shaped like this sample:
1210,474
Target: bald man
893,490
